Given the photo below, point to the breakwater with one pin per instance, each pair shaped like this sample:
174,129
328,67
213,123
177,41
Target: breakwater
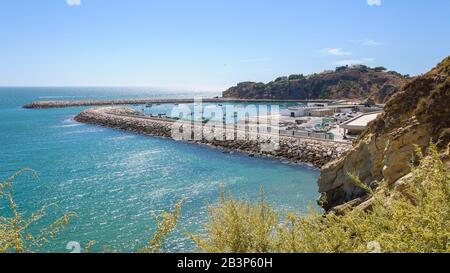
294,149
78,103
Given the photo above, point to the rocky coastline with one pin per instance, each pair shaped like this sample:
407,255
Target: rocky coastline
386,151
352,83
315,153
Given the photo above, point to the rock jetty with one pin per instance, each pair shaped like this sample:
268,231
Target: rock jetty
79,103
296,150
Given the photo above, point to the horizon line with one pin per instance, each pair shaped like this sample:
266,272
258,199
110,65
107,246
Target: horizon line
161,88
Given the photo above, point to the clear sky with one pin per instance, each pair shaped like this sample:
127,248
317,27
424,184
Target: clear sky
212,44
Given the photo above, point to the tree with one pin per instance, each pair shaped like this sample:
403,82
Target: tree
341,68
380,69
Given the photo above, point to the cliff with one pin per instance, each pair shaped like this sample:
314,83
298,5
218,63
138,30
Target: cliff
416,115
356,82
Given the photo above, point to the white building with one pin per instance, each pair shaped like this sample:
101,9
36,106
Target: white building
358,124
299,111
317,104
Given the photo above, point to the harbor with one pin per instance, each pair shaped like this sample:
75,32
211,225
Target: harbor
79,103
312,152
313,119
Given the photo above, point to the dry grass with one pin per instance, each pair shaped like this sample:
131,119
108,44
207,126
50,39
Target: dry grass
415,220
165,223
16,233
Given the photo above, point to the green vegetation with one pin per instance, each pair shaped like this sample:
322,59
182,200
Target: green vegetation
17,234
379,69
345,87
280,79
395,73
295,77
365,82
342,68
414,218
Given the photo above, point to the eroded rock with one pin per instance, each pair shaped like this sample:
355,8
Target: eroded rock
420,113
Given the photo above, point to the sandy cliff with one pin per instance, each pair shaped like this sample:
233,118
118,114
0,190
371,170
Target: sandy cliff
420,112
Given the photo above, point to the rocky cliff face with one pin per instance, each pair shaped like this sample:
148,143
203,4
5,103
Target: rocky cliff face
358,82
418,114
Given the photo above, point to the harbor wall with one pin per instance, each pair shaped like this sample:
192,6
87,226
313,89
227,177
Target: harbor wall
293,149
80,103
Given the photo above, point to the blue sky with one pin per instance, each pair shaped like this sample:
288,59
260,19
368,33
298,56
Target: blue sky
212,44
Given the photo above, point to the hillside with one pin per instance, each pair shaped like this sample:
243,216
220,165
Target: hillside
355,82
416,115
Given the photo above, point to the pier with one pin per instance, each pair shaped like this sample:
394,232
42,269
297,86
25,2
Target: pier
80,103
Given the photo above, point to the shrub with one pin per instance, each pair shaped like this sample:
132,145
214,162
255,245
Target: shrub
341,68
379,69
280,79
395,73
166,223
295,77
413,219
16,233
237,226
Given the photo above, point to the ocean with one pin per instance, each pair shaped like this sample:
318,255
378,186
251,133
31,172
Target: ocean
115,181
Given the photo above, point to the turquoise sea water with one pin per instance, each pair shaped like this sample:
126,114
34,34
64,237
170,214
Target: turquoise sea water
115,180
